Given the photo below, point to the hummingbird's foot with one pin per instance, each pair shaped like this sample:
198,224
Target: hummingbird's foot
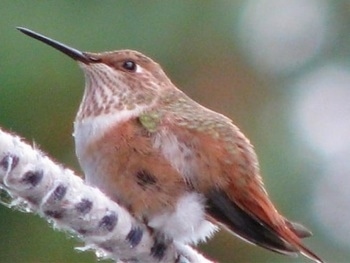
160,245
134,237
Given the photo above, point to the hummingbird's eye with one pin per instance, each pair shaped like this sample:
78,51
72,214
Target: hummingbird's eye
129,65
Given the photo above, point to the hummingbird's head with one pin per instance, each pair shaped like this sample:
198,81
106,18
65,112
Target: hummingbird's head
121,80
115,81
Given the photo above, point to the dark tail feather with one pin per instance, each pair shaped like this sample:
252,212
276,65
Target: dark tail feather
222,209
298,229
303,232
250,228
309,254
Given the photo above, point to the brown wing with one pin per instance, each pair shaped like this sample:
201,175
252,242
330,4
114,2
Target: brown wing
229,176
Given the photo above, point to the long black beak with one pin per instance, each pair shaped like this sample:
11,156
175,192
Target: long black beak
71,52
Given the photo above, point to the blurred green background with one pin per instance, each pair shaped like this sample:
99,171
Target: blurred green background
279,68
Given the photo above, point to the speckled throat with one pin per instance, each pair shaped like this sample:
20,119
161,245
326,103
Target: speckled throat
107,92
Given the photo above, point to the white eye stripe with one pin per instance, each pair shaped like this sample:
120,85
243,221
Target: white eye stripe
139,69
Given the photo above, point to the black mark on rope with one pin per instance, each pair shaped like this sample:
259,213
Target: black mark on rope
82,231
108,222
54,214
158,249
84,206
59,192
134,236
33,177
9,159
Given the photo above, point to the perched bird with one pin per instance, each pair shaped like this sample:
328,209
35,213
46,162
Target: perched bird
175,165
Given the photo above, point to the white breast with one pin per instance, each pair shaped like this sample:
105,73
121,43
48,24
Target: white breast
91,129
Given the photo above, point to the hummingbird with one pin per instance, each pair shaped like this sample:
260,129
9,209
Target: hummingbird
175,165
